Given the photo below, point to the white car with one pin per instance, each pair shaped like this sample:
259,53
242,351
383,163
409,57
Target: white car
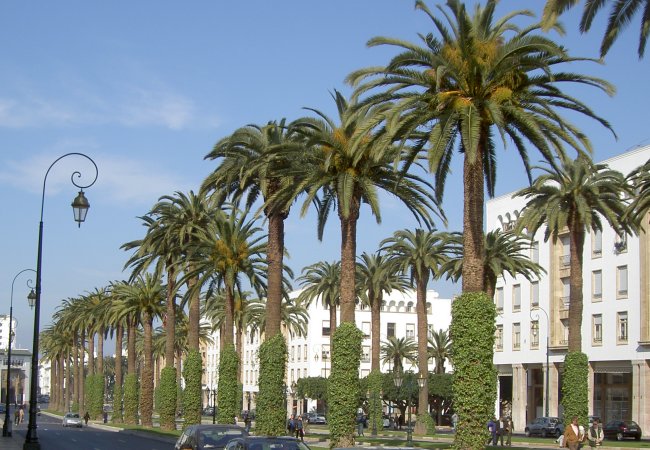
72,420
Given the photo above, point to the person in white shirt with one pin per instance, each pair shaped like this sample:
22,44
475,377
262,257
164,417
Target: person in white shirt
595,434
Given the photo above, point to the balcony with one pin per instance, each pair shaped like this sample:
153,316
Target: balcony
565,261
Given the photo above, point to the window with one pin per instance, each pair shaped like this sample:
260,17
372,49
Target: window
534,252
516,297
596,244
566,252
597,329
304,353
534,334
325,353
620,244
365,327
621,282
410,330
621,326
516,336
431,330
298,355
326,327
293,353
566,293
597,285
565,332
390,329
534,294
498,338
499,299
409,307
293,375
365,357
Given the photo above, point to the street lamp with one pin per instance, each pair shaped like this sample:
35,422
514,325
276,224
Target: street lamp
80,207
214,406
535,316
5,428
398,378
373,408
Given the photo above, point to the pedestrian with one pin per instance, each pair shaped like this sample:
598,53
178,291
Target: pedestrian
86,417
595,434
299,431
291,425
105,416
492,428
360,424
508,428
16,416
21,413
454,421
499,436
572,435
247,423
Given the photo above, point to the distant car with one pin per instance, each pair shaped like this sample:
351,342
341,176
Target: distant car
72,420
208,411
621,429
317,420
266,443
201,437
544,427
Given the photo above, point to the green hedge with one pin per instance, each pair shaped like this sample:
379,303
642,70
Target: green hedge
131,400
166,396
575,389
271,413
375,382
429,424
192,395
343,391
228,387
117,416
94,396
474,386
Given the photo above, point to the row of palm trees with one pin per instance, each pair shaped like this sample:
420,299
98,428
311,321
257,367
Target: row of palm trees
476,77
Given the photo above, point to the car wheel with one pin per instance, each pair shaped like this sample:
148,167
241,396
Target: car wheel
619,436
527,432
637,437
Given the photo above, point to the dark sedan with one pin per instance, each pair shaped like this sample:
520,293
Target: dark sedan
266,443
621,429
544,426
200,437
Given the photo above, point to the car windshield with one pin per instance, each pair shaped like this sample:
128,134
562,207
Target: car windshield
73,416
215,437
631,423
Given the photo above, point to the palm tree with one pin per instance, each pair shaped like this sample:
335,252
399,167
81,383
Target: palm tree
574,195
294,317
250,167
377,275
504,252
397,350
640,205
145,299
347,167
418,253
322,280
620,16
439,349
480,77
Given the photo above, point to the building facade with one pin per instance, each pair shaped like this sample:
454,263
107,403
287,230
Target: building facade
532,325
309,356
19,375
4,331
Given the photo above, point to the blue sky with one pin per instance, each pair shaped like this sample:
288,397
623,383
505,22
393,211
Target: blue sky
146,88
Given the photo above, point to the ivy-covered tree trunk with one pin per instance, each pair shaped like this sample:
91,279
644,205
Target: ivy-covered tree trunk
575,389
474,386
117,390
192,397
271,414
118,395
343,391
228,388
374,386
167,398
131,399
423,354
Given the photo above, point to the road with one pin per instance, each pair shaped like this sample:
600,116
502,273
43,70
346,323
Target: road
53,436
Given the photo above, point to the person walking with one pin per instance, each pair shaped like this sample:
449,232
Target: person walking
508,429
299,431
291,425
497,424
16,416
86,418
572,435
247,423
454,421
21,413
595,434
492,428
360,424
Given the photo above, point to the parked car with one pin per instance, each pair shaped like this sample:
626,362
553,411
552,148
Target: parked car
72,420
544,426
621,429
317,420
201,437
208,411
264,443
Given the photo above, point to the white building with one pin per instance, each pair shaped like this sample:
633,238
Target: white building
309,356
19,375
4,331
616,319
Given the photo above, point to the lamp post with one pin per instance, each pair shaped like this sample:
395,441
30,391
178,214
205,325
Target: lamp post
214,406
373,408
6,431
398,378
535,316
80,207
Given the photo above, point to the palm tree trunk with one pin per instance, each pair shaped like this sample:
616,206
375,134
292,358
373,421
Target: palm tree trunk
68,390
63,399
348,261
194,315
275,261
473,247
130,346
375,330
82,372
332,323
91,353
228,319
423,356
119,336
577,239
239,349
100,352
170,319
146,400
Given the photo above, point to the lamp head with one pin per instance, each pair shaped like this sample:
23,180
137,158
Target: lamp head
31,298
80,207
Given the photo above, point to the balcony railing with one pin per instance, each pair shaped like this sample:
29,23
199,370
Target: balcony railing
565,261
